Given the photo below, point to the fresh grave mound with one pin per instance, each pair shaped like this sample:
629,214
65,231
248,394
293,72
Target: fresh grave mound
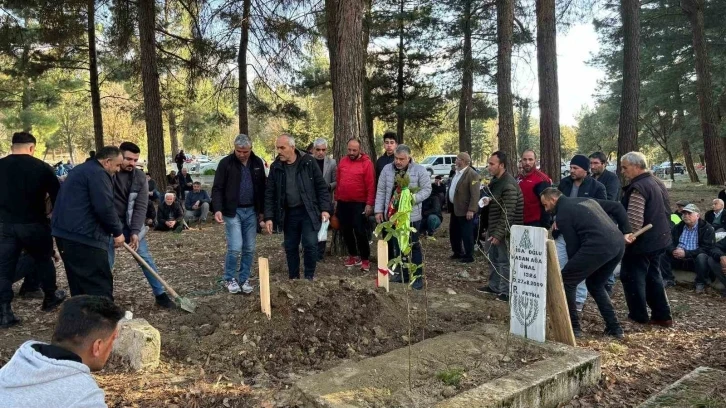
703,387
434,370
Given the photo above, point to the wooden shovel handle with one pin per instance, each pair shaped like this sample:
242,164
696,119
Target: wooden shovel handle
169,289
642,231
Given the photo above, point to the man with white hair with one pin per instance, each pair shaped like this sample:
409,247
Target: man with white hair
692,241
297,198
170,216
715,216
646,201
238,196
328,167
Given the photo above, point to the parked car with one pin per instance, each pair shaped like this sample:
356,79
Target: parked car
565,169
212,165
439,165
665,168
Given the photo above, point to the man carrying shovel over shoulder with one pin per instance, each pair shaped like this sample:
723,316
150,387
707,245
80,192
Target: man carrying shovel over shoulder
130,199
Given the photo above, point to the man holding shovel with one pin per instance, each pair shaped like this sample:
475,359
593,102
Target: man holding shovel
130,199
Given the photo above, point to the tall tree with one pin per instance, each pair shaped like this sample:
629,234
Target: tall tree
152,97
244,40
549,98
93,71
467,80
505,34
524,141
714,146
628,130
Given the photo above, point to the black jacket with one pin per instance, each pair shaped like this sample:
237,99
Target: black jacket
657,212
431,206
711,216
183,181
381,163
706,239
590,188
225,189
84,210
313,190
169,212
589,231
612,185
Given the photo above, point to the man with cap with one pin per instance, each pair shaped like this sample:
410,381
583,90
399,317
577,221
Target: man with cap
580,184
693,240
677,215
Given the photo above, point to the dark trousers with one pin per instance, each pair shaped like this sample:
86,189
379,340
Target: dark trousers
698,265
595,271
643,286
461,231
714,267
87,268
36,240
355,229
299,227
416,255
177,228
321,250
27,271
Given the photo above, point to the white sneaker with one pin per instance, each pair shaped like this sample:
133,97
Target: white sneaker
247,288
232,286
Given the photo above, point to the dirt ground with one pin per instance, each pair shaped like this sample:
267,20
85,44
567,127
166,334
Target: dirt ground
228,354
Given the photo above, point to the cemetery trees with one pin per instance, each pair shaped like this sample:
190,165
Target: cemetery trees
505,41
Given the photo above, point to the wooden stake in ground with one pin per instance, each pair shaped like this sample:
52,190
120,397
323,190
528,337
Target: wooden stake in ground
265,287
383,264
560,324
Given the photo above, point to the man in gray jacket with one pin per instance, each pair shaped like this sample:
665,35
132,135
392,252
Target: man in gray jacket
328,167
58,375
419,181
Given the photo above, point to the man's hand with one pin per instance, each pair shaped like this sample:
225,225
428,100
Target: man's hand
134,242
195,207
368,211
260,217
379,218
679,253
722,261
494,241
268,226
119,241
197,204
324,216
629,239
218,217
469,215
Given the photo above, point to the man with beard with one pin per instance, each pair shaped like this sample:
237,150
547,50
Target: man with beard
130,199
531,181
598,168
580,184
329,169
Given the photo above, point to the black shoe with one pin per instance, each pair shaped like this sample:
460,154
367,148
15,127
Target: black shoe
466,260
455,256
503,297
397,278
577,333
668,284
487,289
617,333
53,300
165,301
418,284
609,290
7,318
31,294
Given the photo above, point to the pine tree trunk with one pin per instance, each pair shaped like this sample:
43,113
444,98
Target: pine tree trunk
685,146
152,98
26,98
366,84
688,158
549,98
628,129
347,69
93,70
714,146
400,116
173,134
505,34
242,67
467,84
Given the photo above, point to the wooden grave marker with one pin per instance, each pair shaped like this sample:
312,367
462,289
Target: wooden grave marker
265,287
383,272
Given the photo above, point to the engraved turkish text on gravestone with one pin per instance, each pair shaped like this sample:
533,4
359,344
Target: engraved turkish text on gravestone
528,284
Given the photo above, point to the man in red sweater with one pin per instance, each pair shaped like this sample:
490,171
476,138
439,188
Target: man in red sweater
532,182
355,195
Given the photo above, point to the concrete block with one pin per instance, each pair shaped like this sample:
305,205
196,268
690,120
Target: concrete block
690,277
702,387
138,346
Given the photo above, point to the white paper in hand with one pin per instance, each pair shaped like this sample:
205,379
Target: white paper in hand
323,233
484,201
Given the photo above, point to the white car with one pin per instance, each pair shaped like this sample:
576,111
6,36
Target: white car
202,158
565,169
439,165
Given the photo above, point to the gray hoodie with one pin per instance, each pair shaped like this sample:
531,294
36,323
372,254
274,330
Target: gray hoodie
31,380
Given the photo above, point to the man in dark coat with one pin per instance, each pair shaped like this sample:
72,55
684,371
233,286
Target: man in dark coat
598,168
595,246
580,184
389,146
297,198
170,216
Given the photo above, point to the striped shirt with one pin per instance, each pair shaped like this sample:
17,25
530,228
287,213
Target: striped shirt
636,210
689,238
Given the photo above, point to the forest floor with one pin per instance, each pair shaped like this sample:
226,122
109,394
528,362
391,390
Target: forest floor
228,354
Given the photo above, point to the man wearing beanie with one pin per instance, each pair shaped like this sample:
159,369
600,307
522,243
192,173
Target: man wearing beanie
580,184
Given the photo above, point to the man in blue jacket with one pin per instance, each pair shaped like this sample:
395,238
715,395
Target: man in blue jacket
580,184
84,221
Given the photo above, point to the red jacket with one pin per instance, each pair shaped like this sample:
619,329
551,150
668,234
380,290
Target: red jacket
356,180
532,203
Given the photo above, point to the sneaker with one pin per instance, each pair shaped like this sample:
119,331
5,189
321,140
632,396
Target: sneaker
579,306
487,289
417,284
353,261
247,288
365,265
232,286
700,288
503,297
577,333
165,301
395,278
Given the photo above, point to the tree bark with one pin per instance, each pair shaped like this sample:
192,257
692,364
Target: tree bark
505,34
366,83
93,71
152,98
242,67
400,102
549,98
347,68
628,129
714,146
173,134
26,98
688,158
467,84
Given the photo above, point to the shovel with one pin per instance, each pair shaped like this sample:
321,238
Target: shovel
184,304
643,230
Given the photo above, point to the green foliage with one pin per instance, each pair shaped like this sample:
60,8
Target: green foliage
209,172
524,140
451,376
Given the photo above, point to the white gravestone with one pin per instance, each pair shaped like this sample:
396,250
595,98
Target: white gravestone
528,283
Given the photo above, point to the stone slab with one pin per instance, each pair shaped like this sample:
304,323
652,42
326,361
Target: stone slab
690,277
544,383
702,387
138,346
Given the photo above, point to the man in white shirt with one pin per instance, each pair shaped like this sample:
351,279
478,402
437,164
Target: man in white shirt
715,216
462,199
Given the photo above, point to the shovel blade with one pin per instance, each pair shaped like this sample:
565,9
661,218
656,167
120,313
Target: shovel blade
186,304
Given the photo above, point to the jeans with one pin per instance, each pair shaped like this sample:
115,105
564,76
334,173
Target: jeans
499,266
461,231
241,233
714,267
355,228
698,265
143,251
87,268
37,241
299,227
432,224
202,212
416,254
643,286
155,196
